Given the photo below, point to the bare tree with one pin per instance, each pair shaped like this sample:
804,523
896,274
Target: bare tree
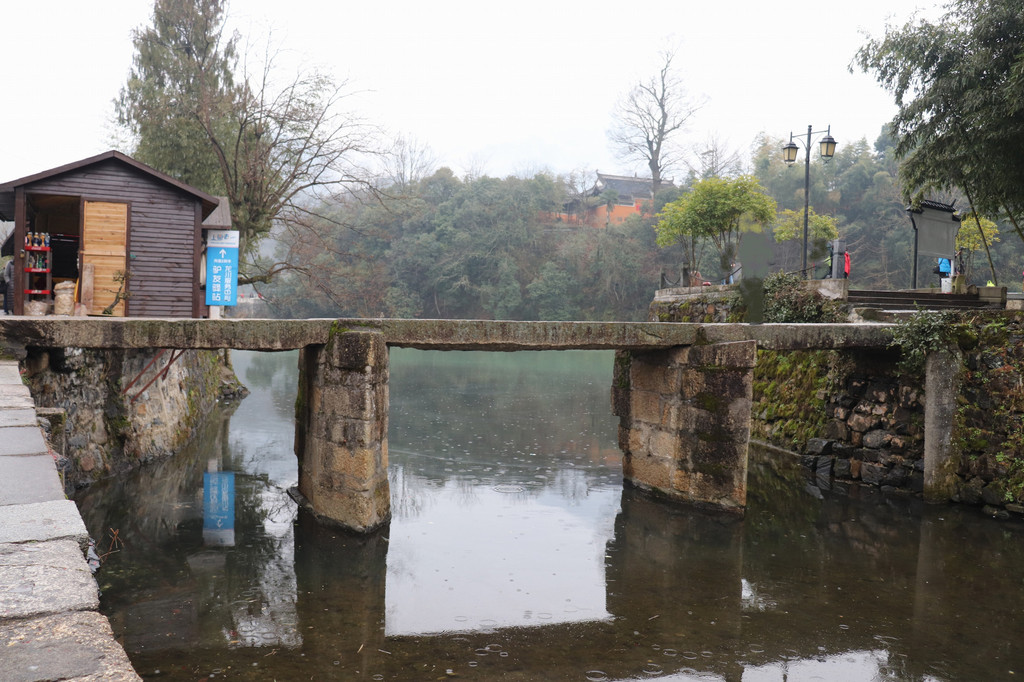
713,159
407,162
289,150
650,113
476,166
579,185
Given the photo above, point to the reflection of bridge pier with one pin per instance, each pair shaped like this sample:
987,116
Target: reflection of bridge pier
695,557
340,586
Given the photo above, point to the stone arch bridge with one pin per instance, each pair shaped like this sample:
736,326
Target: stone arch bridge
682,392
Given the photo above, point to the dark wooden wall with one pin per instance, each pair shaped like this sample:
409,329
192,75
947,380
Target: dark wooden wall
163,233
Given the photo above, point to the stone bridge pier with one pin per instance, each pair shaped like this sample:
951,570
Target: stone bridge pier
684,421
341,431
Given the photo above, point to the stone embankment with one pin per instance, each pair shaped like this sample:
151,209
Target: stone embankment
855,414
123,407
50,626
848,414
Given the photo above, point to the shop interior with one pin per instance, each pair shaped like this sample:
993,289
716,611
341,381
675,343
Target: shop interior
51,244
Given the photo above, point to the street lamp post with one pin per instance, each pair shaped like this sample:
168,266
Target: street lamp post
789,154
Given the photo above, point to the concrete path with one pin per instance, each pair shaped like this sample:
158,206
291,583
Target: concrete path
50,628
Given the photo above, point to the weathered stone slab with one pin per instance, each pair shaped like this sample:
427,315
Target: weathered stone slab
872,473
818,446
941,381
646,406
45,577
254,334
15,397
737,355
9,372
22,440
648,470
20,416
42,521
29,479
659,377
76,646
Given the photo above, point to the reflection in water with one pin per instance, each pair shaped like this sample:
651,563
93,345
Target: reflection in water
505,490
515,552
218,507
543,561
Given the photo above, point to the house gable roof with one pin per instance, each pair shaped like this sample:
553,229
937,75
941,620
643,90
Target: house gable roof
220,218
208,201
626,186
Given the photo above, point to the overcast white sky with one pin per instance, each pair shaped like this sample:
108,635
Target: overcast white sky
497,87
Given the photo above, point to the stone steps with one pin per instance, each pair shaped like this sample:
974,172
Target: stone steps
910,300
50,625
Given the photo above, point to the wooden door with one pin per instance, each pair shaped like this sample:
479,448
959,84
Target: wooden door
104,247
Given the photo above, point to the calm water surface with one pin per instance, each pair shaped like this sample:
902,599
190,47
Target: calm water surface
515,553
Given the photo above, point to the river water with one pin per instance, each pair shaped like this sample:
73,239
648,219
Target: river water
515,553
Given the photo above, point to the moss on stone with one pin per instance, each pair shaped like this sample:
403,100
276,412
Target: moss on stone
710,402
786,390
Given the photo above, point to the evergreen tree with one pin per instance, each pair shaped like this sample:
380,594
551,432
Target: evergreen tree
182,74
277,147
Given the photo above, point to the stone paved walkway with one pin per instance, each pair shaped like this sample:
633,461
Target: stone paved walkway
50,627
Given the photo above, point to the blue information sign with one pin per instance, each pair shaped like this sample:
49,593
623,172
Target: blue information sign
222,267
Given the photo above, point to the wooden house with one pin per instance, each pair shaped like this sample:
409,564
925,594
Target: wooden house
109,224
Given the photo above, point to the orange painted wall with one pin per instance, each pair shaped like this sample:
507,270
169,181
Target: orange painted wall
597,216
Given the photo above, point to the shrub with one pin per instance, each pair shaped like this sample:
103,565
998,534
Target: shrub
920,334
787,299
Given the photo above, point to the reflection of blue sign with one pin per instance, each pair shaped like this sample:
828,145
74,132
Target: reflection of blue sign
219,507
222,267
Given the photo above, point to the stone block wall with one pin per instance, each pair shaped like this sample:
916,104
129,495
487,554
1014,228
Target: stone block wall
874,424
725,303
684,421
103,431
987,434
847,413
696,304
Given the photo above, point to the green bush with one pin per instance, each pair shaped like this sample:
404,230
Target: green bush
920,334
786,299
